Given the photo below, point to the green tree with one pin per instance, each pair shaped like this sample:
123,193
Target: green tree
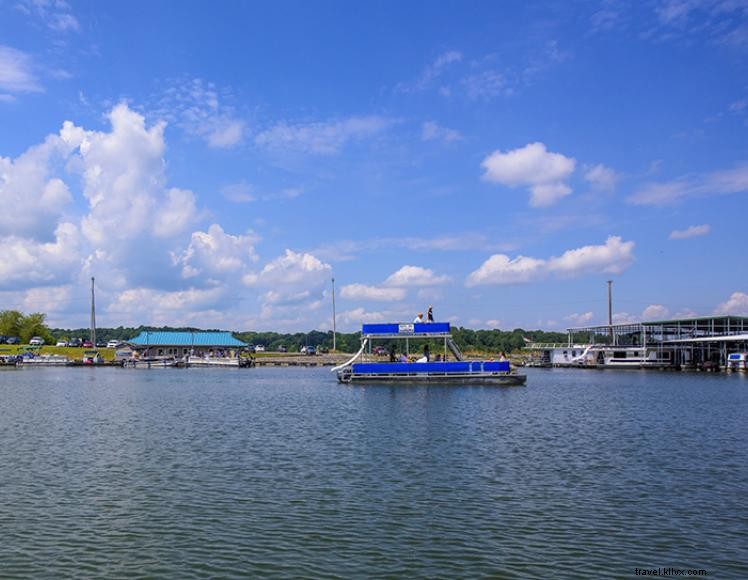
33,325
10,322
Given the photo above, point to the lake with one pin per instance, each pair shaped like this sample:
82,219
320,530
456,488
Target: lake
283,472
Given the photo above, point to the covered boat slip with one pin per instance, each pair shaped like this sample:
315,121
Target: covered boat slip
359,369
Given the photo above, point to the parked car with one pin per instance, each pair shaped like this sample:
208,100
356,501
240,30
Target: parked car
310,350
282,348
323,349
259,348
13,340
112,343
3,339
250,348
75,342
36,341
62,343
87,344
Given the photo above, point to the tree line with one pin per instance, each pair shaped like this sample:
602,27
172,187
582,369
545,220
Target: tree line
15,323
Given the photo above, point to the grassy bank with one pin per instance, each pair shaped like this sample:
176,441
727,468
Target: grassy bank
71,352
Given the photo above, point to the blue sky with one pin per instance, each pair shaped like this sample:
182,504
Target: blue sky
216,164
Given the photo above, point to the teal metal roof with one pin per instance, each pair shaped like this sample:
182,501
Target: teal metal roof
159,338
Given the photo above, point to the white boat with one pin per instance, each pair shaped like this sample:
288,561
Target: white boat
48,360
150,363
218,361
737,361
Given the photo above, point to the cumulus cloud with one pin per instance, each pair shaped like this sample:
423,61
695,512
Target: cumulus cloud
722,182
532,166
736,305
179,307
612,257
601,178
28,185
655,312
432,131
364,292
217,253
690,232
291,269
16,72
124,181
320,138
29,263
578,319
415,276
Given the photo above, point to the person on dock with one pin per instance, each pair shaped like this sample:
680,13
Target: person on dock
430,314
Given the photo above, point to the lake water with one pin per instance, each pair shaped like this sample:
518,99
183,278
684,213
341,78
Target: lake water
283,472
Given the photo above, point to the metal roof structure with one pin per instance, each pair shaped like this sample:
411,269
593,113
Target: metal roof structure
196,338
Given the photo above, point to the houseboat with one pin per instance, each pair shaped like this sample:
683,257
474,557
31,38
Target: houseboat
398,340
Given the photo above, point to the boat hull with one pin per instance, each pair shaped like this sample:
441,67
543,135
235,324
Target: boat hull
507,379
464,372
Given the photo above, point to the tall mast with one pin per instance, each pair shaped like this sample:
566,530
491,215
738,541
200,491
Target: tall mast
93,314
610,311
334,330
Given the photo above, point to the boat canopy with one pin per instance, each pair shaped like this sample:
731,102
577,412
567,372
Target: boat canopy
405,330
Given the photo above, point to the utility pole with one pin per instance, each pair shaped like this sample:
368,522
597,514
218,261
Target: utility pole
334,329
93,314
610,311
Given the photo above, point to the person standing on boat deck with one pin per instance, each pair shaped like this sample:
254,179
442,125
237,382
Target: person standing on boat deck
419,318
430,314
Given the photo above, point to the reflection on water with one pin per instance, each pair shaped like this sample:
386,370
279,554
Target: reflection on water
225,472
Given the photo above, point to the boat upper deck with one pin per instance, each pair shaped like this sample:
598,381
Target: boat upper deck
407,330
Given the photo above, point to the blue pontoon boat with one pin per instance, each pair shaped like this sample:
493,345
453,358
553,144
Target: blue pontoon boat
368,367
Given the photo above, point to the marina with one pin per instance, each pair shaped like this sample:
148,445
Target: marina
708,343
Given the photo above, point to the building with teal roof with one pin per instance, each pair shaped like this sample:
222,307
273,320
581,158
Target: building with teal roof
179,344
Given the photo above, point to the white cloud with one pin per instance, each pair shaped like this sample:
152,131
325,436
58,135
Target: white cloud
601,178
182,307
432,131
27,184
486,85
364,292
124,181
56,14
415,276
500,269
736,305
321,138
27,263
432,72
722,182
655,312
198,108
612,257
292,269
16,72
244,192
580,319
690,232
533,166
217,253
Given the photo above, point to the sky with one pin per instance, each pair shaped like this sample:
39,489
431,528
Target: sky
217,164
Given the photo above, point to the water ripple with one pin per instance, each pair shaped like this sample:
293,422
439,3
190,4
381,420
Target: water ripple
284,473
